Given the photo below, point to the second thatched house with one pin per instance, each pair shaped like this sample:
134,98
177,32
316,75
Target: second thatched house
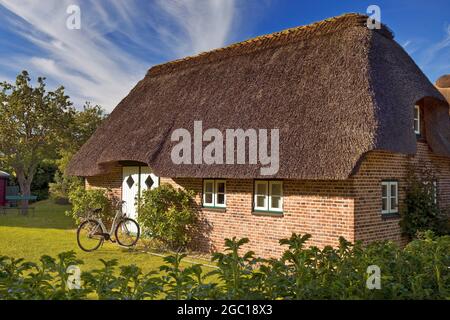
352,110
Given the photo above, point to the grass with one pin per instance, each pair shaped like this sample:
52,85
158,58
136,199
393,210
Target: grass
49,231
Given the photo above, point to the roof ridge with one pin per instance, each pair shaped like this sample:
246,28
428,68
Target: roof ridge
282,37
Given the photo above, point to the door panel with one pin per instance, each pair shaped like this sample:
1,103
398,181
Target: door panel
130,189
148,179
132,184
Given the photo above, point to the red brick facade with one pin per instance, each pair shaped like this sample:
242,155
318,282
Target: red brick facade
326,209
322,208
378,166
112,181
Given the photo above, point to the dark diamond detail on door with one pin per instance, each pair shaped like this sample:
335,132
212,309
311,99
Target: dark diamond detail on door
130,182
149,182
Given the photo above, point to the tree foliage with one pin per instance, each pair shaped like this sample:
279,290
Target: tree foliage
33,125
83,124
40,129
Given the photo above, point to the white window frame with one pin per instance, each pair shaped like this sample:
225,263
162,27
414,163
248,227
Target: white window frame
389,185
271,183
214,193
416,120
208,204
268,196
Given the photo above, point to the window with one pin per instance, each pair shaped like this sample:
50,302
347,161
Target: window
220,186
389,197
268,196
214,193
417,120
261,195
434,190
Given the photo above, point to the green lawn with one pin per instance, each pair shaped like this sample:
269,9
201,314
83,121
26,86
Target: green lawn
50,232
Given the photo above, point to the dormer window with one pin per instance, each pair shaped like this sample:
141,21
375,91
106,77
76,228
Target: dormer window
417,120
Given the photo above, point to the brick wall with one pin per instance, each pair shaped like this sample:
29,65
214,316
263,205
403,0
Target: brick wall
321,208
112,180
378,165
325,209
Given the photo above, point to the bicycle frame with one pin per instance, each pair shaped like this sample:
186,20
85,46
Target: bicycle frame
101,233
117,218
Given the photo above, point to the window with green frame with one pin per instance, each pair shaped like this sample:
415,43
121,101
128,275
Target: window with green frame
214,193
268,196
389,197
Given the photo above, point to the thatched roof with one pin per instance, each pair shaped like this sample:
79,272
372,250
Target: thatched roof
334,89
444,81
443,85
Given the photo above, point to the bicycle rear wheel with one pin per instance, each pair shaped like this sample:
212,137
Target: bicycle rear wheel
127,232
90,235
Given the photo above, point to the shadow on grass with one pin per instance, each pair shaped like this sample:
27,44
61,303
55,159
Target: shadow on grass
47,215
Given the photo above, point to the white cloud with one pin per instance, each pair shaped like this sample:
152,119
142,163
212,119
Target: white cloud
199,25
413,46
435,57
118,41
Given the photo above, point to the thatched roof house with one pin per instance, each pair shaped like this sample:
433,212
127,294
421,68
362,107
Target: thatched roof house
342,96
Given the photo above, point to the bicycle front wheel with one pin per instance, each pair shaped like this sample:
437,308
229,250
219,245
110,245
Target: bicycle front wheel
127,232
90,235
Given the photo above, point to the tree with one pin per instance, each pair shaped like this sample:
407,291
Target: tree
82,126
33,126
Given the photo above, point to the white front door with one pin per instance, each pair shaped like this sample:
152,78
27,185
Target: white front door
134,181
148,179
130,190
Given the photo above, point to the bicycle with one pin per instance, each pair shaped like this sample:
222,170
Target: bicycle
92,233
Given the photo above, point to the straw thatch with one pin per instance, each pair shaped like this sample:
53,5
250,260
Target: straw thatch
444,81
443,84
334,89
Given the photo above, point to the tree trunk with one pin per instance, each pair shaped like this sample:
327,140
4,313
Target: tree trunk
25,189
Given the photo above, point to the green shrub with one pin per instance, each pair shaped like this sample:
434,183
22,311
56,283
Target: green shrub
46,280
43,177
419,271
59,189
236,272
421,211
167,214
85,201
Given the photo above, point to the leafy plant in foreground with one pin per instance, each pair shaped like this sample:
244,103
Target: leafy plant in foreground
421,270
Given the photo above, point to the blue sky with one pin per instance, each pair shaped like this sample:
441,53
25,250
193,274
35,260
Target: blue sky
119,40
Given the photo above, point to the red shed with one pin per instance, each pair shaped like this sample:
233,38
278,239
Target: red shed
3,181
